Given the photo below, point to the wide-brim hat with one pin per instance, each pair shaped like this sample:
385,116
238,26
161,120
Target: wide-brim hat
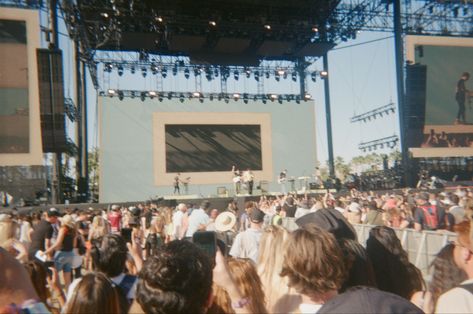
225,221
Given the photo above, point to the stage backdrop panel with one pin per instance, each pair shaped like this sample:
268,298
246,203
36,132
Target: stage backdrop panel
144,144
446,59
20,133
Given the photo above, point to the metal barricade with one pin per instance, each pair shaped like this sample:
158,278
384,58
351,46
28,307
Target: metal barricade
421,247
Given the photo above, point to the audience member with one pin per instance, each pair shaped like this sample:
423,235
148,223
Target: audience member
314,265
393,271
246,243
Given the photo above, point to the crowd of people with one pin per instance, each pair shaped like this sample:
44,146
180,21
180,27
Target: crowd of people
150,258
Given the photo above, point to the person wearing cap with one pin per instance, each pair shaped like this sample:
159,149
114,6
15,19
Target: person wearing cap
43,233
246,243
198,219
63,248
428,216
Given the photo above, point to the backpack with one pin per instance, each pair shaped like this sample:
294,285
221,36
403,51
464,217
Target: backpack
431,217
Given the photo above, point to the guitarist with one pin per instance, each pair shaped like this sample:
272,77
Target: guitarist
461,97
282,180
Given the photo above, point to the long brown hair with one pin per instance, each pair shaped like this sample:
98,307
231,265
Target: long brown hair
38,274
244,272
445,273
95,293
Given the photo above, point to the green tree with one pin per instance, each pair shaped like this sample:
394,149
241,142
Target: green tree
342,169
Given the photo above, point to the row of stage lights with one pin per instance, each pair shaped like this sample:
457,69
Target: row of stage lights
211,73
373,114
245,97
388,142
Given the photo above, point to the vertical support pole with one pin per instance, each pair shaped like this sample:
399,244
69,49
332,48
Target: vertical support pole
331,163
56,195
399,52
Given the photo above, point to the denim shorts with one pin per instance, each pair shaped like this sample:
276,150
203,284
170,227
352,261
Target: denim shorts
63,261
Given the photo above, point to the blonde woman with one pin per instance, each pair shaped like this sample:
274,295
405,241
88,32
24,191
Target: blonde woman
8,241
98,229
63,248
244,273
279,297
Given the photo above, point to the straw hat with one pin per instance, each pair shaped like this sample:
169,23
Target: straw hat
225,221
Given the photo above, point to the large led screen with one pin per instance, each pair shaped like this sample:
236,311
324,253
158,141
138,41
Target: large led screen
448,125
20,130
14,108
209,148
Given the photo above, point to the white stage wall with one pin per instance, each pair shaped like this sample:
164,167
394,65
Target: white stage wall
132,144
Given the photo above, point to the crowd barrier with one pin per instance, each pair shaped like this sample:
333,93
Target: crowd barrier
421,247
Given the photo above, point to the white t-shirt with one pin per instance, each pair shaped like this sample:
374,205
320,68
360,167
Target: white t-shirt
306,308
246,244
197,218
456,300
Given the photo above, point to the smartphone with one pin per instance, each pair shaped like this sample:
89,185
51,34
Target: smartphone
48,265
126,234
207,241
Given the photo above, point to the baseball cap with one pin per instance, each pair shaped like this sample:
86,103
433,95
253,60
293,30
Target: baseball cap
257,216
330,220
368,300
53,212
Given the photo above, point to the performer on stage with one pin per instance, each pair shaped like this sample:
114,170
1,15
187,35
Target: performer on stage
461,97
177,179
248,178
236,180
282,180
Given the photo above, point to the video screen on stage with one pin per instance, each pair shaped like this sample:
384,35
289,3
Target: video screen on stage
14,108
448,125
211,147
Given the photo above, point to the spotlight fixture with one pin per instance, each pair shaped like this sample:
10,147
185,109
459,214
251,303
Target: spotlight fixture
281,72
187,73
298,99
120,95
152,94
132,94
245,98
284,76
196,94
104,14
236,96
164,72
154,68
273,97
315,29
216,72
257,76
267,27
212,23
174,70
120,70
226,98
197,71
181,97
144,72
111,92
280,99
248,72
313,76
267,74
323,74
307,97
255,98
170,94
236,75
277,77
294,76
143,96
160,97
159,19
211,97
108,67
132,69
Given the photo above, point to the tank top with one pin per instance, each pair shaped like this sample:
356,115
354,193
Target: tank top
68,241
